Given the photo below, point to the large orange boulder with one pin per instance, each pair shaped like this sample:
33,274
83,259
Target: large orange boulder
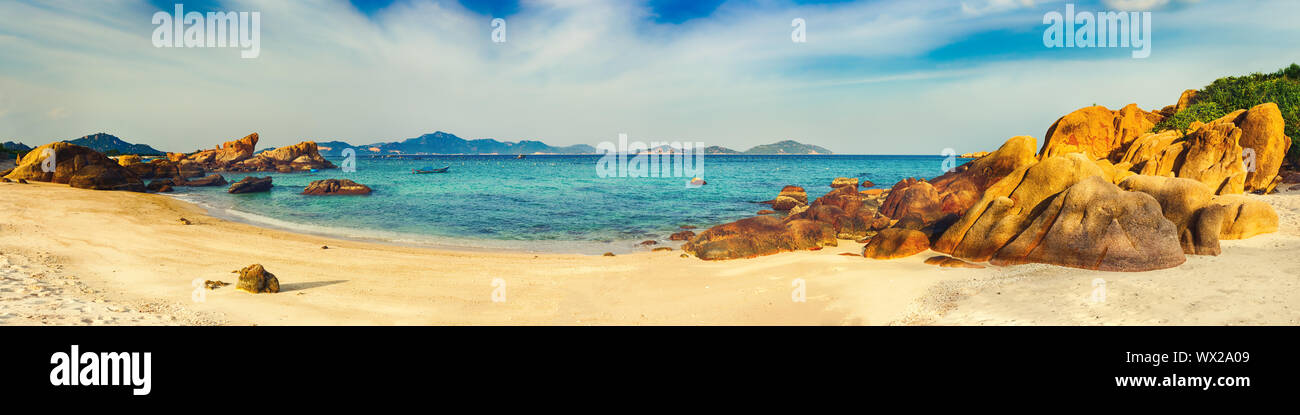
1262,132
1153,153
298,157
221,157
956,191
1245,217
758,236
156,169
911,196
1212,155
896,243
1007,207
1096,225
238,150
1096,131
75,166
1186,203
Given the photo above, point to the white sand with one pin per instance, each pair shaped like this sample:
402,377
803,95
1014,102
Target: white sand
131,251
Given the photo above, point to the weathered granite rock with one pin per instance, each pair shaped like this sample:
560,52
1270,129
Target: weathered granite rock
76,166
1096,225
251,184
255,279
329,187
1096,131
1008,207
759,235
1245,217
896,243
1186,203
1262,131
213,179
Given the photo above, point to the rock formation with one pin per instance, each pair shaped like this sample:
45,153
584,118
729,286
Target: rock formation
240,156
789,198
758,236
1096,225
336,187
956,191
1244,217
251,184
1186,203
213,179
255,279
76,166
1097,131
896,243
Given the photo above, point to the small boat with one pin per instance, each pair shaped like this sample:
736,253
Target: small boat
521,156
428,170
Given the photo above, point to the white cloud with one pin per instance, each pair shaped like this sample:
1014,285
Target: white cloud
57,113
1144,5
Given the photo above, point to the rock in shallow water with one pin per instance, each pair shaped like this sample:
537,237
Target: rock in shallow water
333,187
251,184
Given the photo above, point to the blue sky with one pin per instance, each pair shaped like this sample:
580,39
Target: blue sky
884,77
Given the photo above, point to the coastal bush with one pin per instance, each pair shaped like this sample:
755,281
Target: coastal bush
1200,111
1232,93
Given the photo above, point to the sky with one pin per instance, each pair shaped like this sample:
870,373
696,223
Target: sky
873,77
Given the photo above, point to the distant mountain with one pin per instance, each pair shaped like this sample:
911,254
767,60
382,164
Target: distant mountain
105,143
719,150
446,143
787,147
13,146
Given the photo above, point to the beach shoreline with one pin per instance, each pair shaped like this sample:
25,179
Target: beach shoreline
131,252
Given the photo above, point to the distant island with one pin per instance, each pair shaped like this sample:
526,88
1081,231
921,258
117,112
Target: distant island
786,147
447,143
111,145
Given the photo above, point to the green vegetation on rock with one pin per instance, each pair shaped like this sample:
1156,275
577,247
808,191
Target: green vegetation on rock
1232,93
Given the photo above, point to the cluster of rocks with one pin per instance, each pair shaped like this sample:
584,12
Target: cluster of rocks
1104,192
75,166
85,168
239,156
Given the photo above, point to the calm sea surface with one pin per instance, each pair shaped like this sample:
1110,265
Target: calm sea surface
540,203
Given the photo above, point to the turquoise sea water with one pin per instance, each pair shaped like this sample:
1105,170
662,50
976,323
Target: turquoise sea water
540,203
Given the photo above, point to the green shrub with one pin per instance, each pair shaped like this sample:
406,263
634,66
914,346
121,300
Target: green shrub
1203,111
1232,93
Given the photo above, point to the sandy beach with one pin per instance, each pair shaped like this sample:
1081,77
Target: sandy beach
71,256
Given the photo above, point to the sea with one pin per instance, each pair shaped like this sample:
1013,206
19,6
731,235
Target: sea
541,203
